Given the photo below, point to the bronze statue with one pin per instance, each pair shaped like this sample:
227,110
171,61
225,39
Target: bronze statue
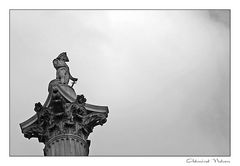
63,72
58,88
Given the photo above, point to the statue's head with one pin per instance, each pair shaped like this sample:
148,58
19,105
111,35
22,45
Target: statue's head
63,56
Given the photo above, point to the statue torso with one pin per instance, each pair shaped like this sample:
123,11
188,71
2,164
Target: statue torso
62,71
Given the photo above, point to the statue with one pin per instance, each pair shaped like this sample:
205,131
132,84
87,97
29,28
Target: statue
63,73
59,88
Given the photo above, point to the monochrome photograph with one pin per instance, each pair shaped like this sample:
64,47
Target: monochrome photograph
119,83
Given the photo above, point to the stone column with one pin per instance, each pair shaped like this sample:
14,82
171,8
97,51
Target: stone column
64,132
66,145
65,120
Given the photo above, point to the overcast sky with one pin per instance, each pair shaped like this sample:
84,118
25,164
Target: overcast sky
164,74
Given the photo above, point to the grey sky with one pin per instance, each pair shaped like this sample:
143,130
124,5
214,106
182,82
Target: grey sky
164,74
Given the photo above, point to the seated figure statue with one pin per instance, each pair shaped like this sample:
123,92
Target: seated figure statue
59,86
